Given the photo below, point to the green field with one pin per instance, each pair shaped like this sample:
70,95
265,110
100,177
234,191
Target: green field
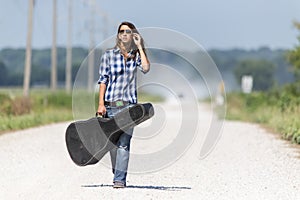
277,110
42,107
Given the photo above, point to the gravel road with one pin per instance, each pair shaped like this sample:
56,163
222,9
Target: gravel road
247,163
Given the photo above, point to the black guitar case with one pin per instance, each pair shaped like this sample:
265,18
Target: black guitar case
89,140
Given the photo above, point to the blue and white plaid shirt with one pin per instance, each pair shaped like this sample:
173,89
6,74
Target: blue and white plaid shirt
119,76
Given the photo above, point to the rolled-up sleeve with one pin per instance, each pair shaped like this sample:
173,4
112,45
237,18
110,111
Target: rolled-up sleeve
104,69
139,64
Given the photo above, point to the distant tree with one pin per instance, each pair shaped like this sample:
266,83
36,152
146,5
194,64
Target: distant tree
3,74
294,55
262,72
40,76
15,79
75,68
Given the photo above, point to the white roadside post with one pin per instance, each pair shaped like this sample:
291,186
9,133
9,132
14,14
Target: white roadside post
247,84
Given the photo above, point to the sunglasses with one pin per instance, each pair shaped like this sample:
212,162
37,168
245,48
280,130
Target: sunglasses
127,31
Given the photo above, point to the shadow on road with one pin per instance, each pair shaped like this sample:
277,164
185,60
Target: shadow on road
151,187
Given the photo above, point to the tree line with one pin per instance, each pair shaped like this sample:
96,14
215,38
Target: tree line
12,65
269,67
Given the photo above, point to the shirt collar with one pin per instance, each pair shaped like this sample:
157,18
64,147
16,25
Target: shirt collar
117,49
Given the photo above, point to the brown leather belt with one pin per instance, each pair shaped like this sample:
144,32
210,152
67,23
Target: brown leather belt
118,103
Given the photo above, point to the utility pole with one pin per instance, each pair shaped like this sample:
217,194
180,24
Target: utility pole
105,25
91,59
69,49
53,52
27,68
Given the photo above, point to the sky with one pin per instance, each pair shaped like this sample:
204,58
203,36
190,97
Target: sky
214,24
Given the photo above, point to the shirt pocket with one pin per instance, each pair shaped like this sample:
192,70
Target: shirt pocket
117,67
131,64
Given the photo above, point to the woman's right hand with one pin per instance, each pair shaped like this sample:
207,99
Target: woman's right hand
101,110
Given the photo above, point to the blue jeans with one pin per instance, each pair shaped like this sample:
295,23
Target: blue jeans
120,154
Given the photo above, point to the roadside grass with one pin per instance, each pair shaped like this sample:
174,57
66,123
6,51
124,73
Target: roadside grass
10,123
268,109
41,108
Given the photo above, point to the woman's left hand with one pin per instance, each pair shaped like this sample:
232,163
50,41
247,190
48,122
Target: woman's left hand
137,39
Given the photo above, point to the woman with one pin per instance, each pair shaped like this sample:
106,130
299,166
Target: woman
117,90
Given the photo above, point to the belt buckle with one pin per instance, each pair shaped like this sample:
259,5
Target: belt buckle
119,103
